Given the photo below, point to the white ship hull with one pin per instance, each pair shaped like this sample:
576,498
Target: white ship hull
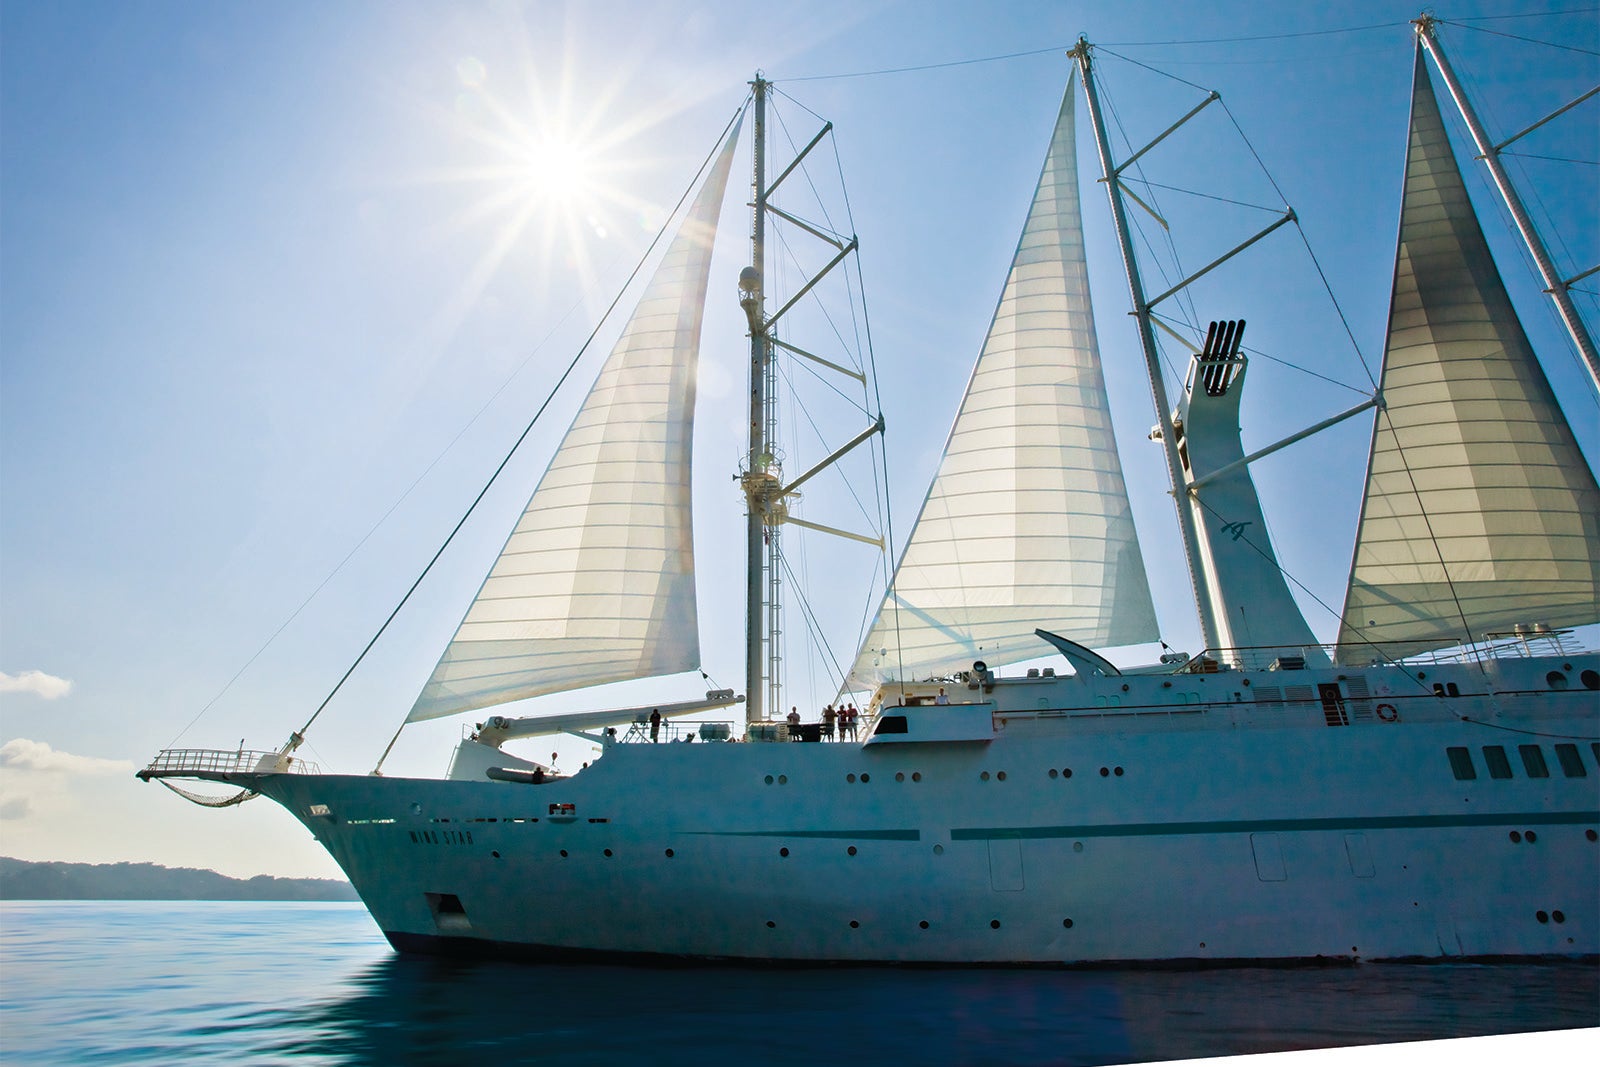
1229,829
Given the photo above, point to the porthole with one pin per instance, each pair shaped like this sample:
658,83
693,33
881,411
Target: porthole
916,776
865,778
1558,916
923,924
1066,772
1054,773
669,853
1556,680
1077,846
1531,836
1516,838
1591,835
1105,772
1001,775
994,924
850,778
1067,923
771,925
783,779
783,852
938,850
899,776
769,779
1117,772
563,853
854,925
1590,679
851,850
495,854
1543,917
608,852
984,776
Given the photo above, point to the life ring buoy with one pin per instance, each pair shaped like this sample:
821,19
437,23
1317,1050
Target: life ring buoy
1387,713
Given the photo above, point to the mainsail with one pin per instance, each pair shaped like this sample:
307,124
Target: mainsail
1027,523
596,583
1480,511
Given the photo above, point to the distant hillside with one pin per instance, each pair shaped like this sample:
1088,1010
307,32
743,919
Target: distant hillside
25,880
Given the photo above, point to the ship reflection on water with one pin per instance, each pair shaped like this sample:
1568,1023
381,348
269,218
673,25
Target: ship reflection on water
421,1010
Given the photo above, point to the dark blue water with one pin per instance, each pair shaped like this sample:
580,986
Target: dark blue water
250,983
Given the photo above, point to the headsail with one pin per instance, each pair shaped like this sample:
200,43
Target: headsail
1480,510
1027,524
596,583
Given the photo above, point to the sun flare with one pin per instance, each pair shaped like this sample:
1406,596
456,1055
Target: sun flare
555,170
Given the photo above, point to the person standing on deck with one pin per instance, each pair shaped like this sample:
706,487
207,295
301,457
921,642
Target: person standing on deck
655,724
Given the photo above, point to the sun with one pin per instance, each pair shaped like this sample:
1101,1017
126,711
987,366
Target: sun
556,170
534,177
541,155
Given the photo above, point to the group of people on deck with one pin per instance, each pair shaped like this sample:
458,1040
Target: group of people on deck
844,716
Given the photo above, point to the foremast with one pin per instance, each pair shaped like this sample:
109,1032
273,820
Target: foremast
759,482
769,493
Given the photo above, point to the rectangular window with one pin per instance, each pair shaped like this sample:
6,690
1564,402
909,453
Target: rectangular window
1571,762
1495,757
1461,763
1533,760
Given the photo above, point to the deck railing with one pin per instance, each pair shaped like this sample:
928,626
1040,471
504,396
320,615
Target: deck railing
1494,646
175,762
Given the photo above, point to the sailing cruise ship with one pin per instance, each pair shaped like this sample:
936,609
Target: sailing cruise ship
1427,787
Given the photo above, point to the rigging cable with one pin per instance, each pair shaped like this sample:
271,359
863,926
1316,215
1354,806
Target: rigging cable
1267,173
1063,48
1515,37
817,633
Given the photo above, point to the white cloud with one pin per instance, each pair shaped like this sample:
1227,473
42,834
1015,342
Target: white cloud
21,754
46,685
13,808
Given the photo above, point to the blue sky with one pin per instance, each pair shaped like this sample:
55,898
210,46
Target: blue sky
261,265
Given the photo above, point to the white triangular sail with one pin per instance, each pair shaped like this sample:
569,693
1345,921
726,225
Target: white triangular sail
596,583
1480,511
1027,523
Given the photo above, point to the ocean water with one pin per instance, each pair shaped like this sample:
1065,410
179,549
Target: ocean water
94,982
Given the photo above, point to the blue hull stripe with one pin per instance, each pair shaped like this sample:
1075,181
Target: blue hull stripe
839,835
1253,826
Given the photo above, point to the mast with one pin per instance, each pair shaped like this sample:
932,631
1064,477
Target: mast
1147,341
757,478
1554,284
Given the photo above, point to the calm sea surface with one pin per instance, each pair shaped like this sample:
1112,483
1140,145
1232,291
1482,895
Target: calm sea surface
250,983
